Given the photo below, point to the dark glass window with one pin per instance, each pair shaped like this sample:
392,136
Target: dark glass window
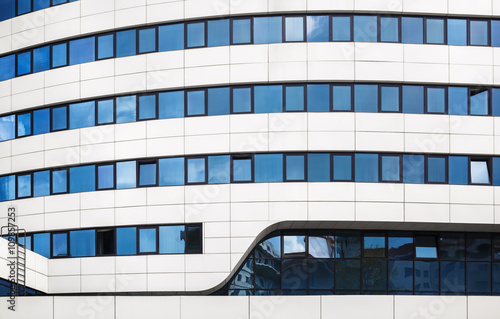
400,275
218,32
294,29
82,115
171,37
60,245
195,34
59,55
317,29
347,244
452,246
365,98
374,245
435,31
196,102
59,118
292,274
365,29
171,105
193,242
426,276
478,247
172,239
105,46
436,99
126,43
105,242
294,98
126,109
457,31
41,59
389,29
59,181
321,273
7,9
242,100
242,31
366,168
41,183
389,99
390,165
458,170
24,124
342,167
24,185
105,112
105,176
196,170
457,100
413,99
147,174
374,274
268,98
436,169
8,66
342,98
147,240
413,169
219,169
126,175
82,179
479,32
318,167
41,244
425,247
412,30
400,247
295,167
24,63
82,50
318,98
218,101
452,276
496,247
147,40
268,168
242,169
23,6
126,241
82,243
479,171
267,30
40,4
147,107
478,277
171,171
347,274
479,101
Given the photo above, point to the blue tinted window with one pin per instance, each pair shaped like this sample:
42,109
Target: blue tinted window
341,29
105,112
196,102
478,277
219,169
40,4
318,98
478,32
171,171
218,101
479,172
105,46
267,30
126,175
8,66
82,243
365,98
294,97
147,107
59,181
412,30
59,55
41,244
195,34
82,179
452,276
24,124
126,109
318,167
435,31
496,170
23,6
241,31
171,37
242,100
171,105
389,99
59,118
125,43
413,169
365,28
342,167
390,168
82,50
218,33
436,100
24,63
495,33
268,99
268,168
7,187
436,169
366,167
342,98
242,169
41,183
400,275
347,274
147,240
54,2
82,115
41,59
295,167
457,100
389,29
172,239
24,185
457,32
147,40
196,170
459,170
426,276
147,174
479,102
7,9
495,102
7,127
317,29
126,241
294,29
413,99
105,176
60,244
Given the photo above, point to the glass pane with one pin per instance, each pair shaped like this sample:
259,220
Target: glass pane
321,247
318,167
244,279
365,29
126,241
390,169
413,99
436,100
218,32
195,34
342,98
147,174
365,98
147,240
294,97
347,244
193,242
496,247
317,29
479,172
41,183
82,243
413,169
268,168
342,167
59,55
125,43
8,66
425,247
318,98
436,169
479,277
457,100
267,30
41,59
295,167
105,112
457,31
374,274
24,124
242,100
268,98
294,245
400,275
347,274
218,101
82,179
126,175
495,33
458,170
426,276
241,31
172,239
452,276
293,274
412,30
106,176
147,107
269,248
82,50
479,101
496,278
389,29
366,168
7,9
41,244
59,181
171,171
23,6
478,246
147,40
105,46
171,37
59,245
452,246
196,170
59,118
24,63
389,96
267,274
82,115
294,29
218,169
196,102
478,32
321,274
374,245
400,247
24,185
126,109
242,170
496,170
171,105
7,127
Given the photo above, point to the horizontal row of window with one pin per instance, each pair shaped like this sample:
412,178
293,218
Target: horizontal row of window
341,97
116,241
253,30
255,168
13,8
5,290
370,262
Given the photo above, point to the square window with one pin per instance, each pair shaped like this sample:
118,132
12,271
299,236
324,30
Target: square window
171,171
242,100
82,179
366,167
452,246
268,98
23,6
317,28
126,109
218,32
82,50
295,167
413,99
318,98
479,32
126,43
126,176
147,40
457,31
171,37
196,170
414,169
82,243
374,245
412,30
365,98
171,105
219,169
318,167
195,34
425,247
436,169
341,29
196,103
59,118
294,29
294,245
242,31
24,124
105,176
82,115
172,239
267,30
41,183
218,101
147,174
479,171
147,107
294,98
242,169
365,28
268,168
390,168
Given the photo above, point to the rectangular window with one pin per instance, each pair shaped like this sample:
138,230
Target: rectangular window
126,241
479,32
317,29
412,30
105,242
195,34
478,246
294,29
318,167
268,168
341,29
196,103
171,105
452,246
126,110
8,67
126,43
105,111
41,244
7,127
23,6
196,170
242,31
342,168
479,101
366,167
390,165
193,241
219,169
365,29
147,174
374,245
318,98
59,118
457,31
457,100
436,169
218,33
242,100
496,247
82,243
147,240
425,247
126,175
400,246
342,98
82,50
82,179
479,171
82,115
458,170
242,169
389,99
147,107
218,101
105,176
41,59
268,98
436,100
295,167
413,99
24,63
414,169
365,98
267,30
24,186
105,46
171,171
171,37
389,29
41,183
495,33
60,245
59,55
60,181
147,40
172,239
24,124
294,98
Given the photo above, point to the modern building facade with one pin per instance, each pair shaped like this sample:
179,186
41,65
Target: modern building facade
251,159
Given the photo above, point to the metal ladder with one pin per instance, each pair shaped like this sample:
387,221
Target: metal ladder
20,256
